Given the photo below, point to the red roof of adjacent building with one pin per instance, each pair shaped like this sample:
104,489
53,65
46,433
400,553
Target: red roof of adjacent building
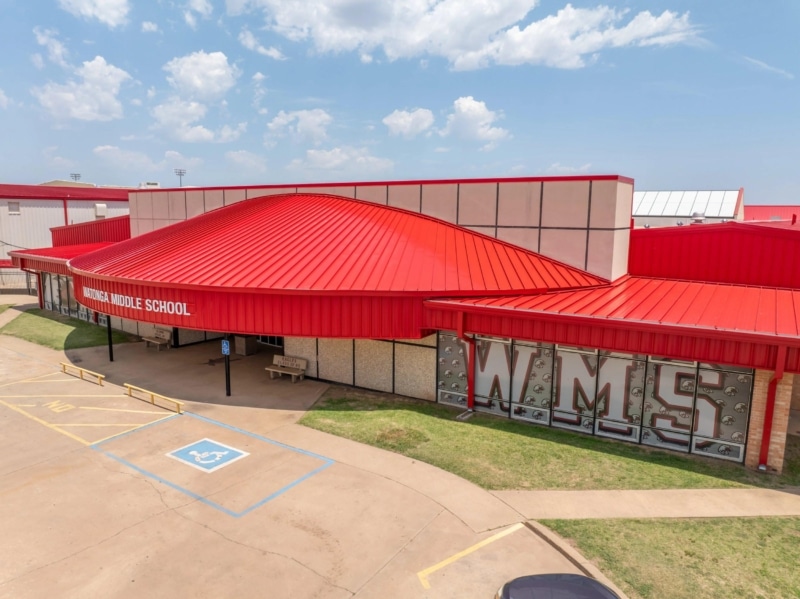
327,244
52,192
93,231
772,212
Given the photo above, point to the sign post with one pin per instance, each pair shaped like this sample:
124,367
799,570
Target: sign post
226,351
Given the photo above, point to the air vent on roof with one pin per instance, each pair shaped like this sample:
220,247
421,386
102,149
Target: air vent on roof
698,217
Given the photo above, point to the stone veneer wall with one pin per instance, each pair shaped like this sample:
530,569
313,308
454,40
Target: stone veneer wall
780,421
583,223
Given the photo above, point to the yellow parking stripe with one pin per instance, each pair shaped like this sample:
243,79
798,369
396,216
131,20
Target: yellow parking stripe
133,429
78,396
423,575
45,423
121,410
134,424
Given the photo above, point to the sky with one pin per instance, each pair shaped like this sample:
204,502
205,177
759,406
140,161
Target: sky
674,94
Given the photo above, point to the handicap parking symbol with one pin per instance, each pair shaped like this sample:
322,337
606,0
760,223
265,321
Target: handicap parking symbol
207,455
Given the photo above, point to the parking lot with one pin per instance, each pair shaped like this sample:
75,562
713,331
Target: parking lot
105,495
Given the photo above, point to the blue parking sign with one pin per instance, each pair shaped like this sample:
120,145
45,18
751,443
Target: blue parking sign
207,455
226,347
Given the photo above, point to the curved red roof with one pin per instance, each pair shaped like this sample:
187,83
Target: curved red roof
320,244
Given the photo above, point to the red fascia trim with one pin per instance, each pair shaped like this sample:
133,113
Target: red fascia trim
772,389
619,178
628,325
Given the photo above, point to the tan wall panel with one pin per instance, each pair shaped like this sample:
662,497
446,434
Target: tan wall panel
195,205
134,227
116,323
568,246
518,204
145,225
415,371
373,193
302,347
336,360
257,193
177,205
619,264
565,204
146,329
214,199
133,208
407,197
160,224
160,205
233,196
524,238
374,365
624,205
440,201
429,341
485,230
346,191
477,203
601,253
144,205
604,205
130,326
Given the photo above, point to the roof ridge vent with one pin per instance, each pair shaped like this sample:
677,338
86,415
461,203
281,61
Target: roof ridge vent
698,218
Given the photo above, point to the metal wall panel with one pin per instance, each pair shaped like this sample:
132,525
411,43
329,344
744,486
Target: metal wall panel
107,229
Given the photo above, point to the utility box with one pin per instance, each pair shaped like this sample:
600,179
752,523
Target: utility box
245,345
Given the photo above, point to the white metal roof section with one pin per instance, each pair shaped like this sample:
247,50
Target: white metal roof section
717,204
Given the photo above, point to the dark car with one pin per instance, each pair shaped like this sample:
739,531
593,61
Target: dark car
555,586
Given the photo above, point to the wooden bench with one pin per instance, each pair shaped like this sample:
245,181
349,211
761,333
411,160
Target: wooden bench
159,338
294,367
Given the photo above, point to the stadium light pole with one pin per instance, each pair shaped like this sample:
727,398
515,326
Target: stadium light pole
180,172
75,176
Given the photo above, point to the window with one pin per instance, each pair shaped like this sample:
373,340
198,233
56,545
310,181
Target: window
13,208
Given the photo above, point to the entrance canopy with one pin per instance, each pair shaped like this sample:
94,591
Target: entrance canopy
308,265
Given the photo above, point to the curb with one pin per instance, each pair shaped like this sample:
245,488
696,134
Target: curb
572,554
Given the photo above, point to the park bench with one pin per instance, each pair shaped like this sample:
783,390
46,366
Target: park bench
159,338
294,367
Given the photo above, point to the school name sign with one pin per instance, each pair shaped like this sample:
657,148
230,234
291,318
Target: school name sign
137,303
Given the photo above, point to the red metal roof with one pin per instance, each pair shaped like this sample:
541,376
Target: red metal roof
95,231
654,304
52,259
770,212
762,254
6,264
51,192
326,244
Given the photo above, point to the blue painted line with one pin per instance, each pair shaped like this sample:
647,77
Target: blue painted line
259,437
134,430
168,483
326,463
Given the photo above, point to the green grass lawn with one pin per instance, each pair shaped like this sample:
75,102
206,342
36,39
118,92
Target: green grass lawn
498,453
4,307
693,559
50,329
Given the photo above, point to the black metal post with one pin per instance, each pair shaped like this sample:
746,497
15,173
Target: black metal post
110,344
227,370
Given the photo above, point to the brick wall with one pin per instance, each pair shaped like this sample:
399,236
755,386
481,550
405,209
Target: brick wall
780,421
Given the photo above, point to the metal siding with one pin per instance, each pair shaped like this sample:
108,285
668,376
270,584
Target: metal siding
31,228
107,229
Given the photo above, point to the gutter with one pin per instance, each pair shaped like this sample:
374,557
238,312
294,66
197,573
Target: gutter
766,435
470,340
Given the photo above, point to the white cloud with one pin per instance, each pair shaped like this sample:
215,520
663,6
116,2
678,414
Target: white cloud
4,101
55,161
562,169
228,134
200,7
468,35
249,41
409,123
149,27
92,98
111,12
178,117
245,160
343,159
366,58
472,120
301,125
769,68
139,162
151,93
37,60
202,76
56,52
136,102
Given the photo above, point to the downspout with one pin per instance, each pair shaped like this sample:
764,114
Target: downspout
470,340
66,218
772,388
39,292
